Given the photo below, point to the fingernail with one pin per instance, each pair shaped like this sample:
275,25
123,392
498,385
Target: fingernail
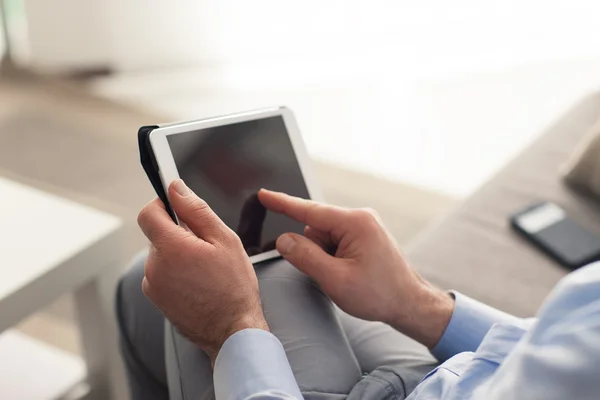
181,188
286,244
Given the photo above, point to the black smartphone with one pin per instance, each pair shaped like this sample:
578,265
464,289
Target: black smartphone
548,227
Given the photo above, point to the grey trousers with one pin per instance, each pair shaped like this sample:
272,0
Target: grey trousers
332,354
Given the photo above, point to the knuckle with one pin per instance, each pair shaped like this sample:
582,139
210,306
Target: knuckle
309,232
143,216
230,237
198,206
150,272
146,289
151,292
364,214
366,217
308,208
227,238
371,211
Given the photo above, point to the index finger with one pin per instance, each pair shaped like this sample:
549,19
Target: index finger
156,223
311,213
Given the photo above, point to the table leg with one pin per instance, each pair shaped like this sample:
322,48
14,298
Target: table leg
99,336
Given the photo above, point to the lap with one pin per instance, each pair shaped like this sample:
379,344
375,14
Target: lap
302,318
377,345
142,336
329,351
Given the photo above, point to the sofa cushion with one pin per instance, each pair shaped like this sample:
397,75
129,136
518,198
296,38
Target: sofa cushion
582,171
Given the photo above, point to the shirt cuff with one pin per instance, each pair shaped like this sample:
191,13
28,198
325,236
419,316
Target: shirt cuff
470,322
252,363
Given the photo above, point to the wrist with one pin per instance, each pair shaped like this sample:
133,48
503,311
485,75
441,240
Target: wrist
428,316
240,324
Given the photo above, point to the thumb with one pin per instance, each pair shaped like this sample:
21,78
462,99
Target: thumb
308,257
194,212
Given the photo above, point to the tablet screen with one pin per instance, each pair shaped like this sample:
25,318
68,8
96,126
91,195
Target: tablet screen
227,165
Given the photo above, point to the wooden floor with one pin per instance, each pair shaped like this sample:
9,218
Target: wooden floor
57,137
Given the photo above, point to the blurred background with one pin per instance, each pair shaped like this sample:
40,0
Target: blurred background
404,106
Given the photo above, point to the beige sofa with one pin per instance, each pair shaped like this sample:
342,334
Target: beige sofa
475,251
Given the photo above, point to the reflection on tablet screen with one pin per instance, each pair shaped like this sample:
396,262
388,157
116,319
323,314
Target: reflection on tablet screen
227,165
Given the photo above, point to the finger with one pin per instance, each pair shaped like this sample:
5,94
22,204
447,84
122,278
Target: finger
146,287
149,265
320,216
151,293
156,223
195,213
308,257
251,223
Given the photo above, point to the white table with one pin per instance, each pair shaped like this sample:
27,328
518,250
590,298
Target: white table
50,246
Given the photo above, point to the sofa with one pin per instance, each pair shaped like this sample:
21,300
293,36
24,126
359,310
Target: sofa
475,251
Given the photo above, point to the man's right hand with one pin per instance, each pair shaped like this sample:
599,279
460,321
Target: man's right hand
366,276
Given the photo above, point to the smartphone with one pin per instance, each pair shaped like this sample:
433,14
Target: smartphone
547,226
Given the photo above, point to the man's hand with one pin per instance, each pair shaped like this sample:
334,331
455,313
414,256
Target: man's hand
200,278
366,276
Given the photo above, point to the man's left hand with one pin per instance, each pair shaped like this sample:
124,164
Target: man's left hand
201,278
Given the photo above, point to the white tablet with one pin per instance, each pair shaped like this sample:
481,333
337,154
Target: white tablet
226,160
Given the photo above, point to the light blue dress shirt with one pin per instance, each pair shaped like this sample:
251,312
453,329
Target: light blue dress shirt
486,354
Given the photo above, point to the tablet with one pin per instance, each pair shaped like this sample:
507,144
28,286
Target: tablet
226,160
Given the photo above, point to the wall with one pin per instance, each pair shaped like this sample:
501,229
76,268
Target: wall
430,36
67,34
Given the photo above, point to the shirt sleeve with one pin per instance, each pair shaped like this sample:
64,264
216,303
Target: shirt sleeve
470,322
252,365
559,357
554,356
